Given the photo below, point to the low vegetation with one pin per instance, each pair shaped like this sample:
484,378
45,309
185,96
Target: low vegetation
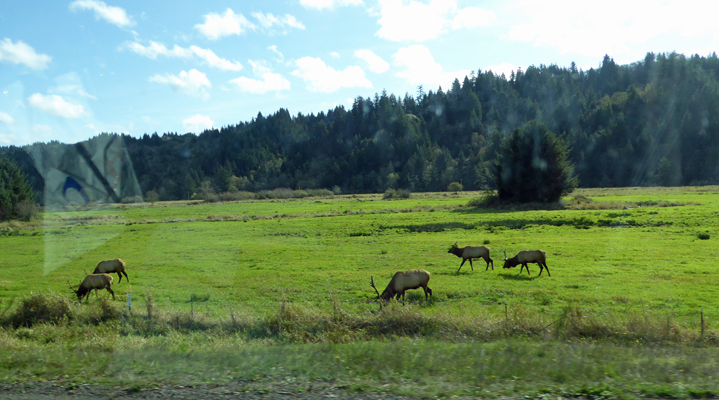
263,291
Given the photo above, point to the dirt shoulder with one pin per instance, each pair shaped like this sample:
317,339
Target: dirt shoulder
55,391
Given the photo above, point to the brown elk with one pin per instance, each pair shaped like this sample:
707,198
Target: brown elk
470,252
403,281
525,257
93,281
111,266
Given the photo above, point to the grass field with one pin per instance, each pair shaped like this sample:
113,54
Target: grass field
632,271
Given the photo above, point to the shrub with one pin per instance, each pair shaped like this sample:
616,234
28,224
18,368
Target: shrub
151,196
455,187
396,194
40,308
703,236
389,194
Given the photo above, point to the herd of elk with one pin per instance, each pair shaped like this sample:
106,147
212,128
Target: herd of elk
398,285
100,278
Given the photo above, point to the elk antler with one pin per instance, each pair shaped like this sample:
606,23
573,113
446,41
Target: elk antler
71,288
505,255
371,283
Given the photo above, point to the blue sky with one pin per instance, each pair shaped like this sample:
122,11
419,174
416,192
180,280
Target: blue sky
72,69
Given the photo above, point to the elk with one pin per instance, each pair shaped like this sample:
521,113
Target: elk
469,252
109,266
93,281
403,281
525,257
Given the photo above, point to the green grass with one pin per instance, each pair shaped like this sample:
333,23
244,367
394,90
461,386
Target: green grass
633,266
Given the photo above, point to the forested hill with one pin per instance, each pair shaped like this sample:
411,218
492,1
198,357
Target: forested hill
653,122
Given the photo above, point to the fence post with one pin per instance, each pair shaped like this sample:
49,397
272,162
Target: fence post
506,319
129,303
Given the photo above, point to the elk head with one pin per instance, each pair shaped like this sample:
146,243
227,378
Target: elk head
77,292
371,283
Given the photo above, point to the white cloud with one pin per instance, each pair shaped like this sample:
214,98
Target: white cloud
217,26
375,62
268,21
76,90
273,49
320,4
571,28
154,49
270,82
21,53
114,15
213,60
41,129
197,123
335,54
55,105
421,69
414,21
7,139
319,77
6,118
192,82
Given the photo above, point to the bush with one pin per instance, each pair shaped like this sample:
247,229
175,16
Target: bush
455,187
40,308
151,196
390,194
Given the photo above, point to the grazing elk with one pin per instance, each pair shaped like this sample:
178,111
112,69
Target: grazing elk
110,266
403,281
470,252
93,281
525,257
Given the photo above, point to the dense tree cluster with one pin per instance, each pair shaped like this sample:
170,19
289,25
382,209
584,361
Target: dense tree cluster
652,122
17,199
533,166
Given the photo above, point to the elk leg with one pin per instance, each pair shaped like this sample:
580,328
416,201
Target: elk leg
460,265
126,277
490,261
524,266
470,264
545,266
112,293
119,276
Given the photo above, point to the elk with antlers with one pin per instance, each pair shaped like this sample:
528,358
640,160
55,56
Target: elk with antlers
93,281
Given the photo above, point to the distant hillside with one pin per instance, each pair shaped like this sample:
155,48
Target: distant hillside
653,122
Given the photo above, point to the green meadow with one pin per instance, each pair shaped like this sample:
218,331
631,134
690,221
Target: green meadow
632,272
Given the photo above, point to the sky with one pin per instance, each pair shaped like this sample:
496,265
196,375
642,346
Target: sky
70,70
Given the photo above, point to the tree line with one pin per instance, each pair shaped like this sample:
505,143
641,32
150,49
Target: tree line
651,122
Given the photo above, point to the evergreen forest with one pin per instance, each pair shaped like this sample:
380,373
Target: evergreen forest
652,122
